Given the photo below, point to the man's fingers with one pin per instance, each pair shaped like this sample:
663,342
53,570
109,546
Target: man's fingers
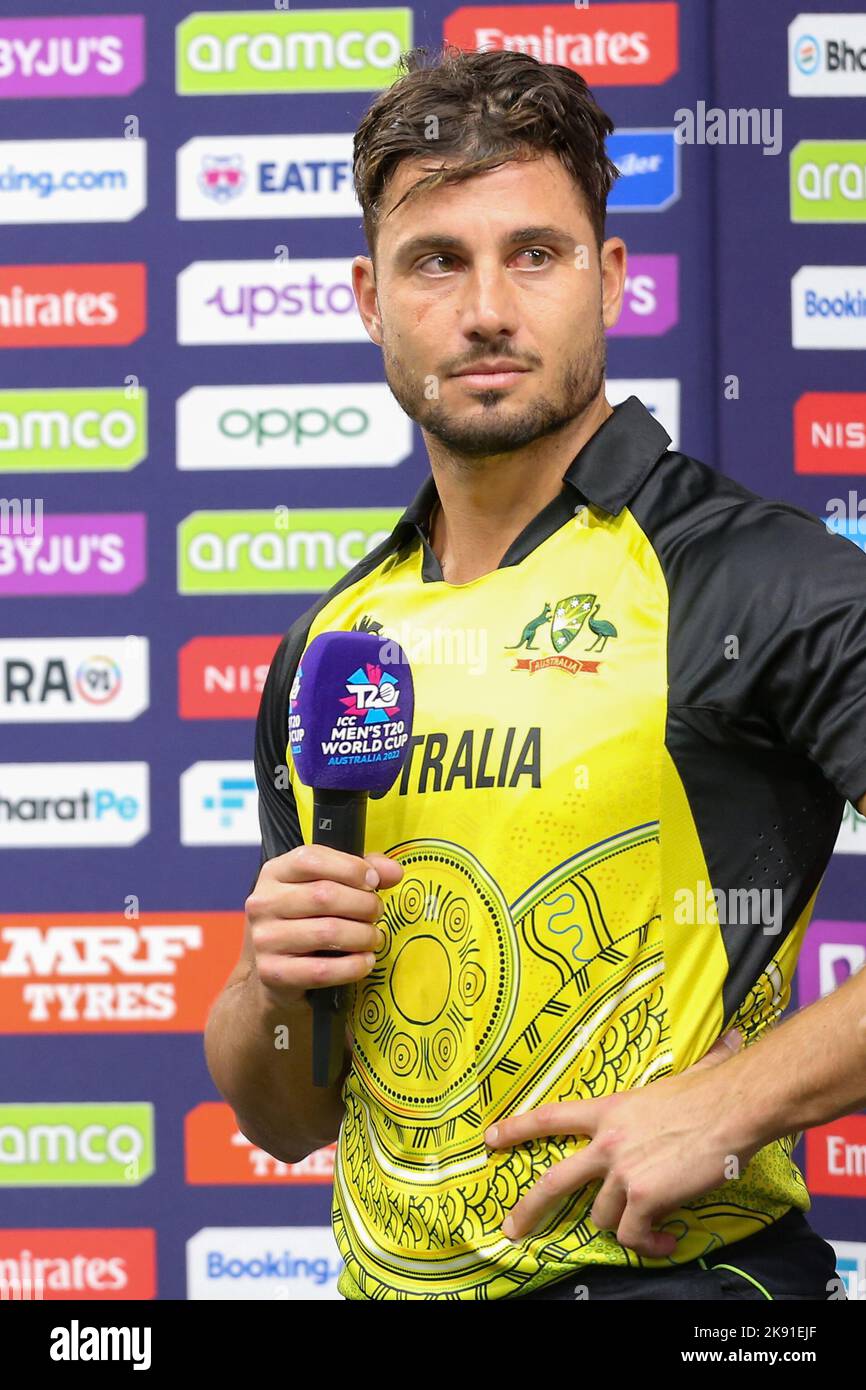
636,1233
313,972
578,1117
275,936
320,898
308,862
562,1178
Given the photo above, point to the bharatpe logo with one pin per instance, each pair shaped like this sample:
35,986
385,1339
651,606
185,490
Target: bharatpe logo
72,56
260,1262
828,181
827,55
72,180
267,302
274,176
650,304
76,553
282,551
72,679
68,1145
68,805
312,426
828,306
72,431
301,51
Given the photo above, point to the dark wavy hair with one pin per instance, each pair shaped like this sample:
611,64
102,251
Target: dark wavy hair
481,109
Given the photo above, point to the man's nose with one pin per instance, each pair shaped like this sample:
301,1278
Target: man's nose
489,304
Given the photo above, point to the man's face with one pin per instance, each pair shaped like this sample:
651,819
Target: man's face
499,270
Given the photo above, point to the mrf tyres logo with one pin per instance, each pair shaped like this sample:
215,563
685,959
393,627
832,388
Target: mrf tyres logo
561,624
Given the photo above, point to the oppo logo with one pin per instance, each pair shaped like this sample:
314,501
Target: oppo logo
263,425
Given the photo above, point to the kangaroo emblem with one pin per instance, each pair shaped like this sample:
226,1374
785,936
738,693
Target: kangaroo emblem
530,630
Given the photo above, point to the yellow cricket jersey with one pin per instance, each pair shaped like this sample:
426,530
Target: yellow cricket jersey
631,750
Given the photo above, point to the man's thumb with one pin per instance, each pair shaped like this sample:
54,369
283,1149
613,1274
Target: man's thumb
389,870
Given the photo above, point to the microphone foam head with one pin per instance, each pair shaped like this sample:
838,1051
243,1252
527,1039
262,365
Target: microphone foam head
350,712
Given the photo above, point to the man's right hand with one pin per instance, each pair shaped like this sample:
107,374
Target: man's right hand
317,899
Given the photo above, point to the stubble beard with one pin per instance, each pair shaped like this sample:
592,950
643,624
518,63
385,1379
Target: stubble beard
498,430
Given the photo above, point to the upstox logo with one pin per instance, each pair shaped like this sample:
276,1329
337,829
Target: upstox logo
69,1145
300,51
303,301
72,431
282,551
828,181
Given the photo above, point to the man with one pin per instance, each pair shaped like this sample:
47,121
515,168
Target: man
640,707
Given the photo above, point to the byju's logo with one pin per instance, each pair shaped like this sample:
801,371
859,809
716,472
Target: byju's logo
650,304
219,804
268,302
72,56
76,553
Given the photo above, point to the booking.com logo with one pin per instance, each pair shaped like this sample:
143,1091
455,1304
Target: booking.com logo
807,54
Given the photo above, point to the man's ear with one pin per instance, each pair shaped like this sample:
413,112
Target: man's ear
364,289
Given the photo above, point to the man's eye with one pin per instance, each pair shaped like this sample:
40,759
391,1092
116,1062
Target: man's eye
536,251
430,261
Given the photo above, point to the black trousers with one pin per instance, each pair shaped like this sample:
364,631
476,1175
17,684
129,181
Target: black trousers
787,1260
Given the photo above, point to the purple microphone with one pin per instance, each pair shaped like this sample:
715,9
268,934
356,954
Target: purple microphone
350,720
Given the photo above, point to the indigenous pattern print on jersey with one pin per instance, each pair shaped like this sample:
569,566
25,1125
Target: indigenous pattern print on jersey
631,750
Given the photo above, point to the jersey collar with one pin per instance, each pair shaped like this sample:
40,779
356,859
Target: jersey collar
607,471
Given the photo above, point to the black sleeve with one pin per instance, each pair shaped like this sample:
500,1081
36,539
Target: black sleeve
278,814
811,658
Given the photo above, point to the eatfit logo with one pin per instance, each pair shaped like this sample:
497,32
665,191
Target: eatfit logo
276,176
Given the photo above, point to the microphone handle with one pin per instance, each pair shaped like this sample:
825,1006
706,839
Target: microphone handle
339,821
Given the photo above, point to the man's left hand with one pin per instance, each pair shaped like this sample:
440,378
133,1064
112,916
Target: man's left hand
654,1148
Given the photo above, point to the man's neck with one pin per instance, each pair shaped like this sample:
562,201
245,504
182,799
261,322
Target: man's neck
485,504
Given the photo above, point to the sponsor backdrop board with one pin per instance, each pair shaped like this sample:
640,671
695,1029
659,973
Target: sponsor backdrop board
196,438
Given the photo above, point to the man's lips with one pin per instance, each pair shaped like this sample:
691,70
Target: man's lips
497,374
